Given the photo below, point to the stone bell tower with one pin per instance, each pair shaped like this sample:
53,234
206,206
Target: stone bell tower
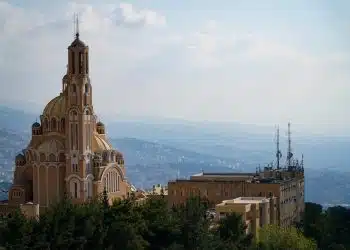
80,118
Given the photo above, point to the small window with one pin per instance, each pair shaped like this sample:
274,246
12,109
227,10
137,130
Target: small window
16,194
86,89
74,88
75,168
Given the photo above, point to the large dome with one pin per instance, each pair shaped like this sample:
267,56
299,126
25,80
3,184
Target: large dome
100,144
56,107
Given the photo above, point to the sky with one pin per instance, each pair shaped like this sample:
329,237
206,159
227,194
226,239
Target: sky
261,62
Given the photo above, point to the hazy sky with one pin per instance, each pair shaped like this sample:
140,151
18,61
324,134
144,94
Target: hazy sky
262,62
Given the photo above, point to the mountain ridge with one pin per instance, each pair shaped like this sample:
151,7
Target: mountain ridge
156,153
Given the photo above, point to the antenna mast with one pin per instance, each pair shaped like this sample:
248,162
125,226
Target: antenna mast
278,151
289,154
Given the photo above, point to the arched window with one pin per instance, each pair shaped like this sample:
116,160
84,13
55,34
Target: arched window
87,63
74,88
52,158
75,188
53,124
73,62
42,157
86,88
62,157
89,188
62,124
73,115
46,124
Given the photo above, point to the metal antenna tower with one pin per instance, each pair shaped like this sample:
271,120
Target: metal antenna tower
278,151
289,153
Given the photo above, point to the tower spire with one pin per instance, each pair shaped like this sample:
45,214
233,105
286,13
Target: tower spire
76,25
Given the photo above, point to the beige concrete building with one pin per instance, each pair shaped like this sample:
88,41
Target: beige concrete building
69,152
287,185
256,212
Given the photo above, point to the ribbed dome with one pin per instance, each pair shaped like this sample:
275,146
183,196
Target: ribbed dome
20,157
99,124
56,107
36,125
100,144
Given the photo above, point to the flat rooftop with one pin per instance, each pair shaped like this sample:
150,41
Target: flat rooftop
245,200
228,174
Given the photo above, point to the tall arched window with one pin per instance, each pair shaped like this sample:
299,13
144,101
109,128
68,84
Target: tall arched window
89,188
63,124
73,62
46,124
75,188
53,124
74,132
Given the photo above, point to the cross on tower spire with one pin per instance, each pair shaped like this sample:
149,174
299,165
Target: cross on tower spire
76,25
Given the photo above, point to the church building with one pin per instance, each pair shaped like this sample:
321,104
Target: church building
69,152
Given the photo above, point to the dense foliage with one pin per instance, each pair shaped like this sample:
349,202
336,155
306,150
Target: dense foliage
330,228
152,225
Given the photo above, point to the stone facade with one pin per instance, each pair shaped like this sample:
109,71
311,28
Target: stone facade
256,212
69,152
287,187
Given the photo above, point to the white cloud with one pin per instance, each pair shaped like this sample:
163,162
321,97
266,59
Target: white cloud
127,14
141,64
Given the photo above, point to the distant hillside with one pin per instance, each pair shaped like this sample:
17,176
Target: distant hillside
16,120
150,162
155,153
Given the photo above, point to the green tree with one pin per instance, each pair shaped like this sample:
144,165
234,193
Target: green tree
277,238
312,221
15,231
163,229
336,227
193,224
232,233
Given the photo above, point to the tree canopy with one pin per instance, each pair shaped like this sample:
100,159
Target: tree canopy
152,225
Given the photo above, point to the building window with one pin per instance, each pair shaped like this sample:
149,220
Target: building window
75,190
81,61
89,188
53,124
75,168
73,62
88,167
16,194
87,63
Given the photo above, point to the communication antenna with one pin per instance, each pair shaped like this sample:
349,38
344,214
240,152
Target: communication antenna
289,153
302,162
278,151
